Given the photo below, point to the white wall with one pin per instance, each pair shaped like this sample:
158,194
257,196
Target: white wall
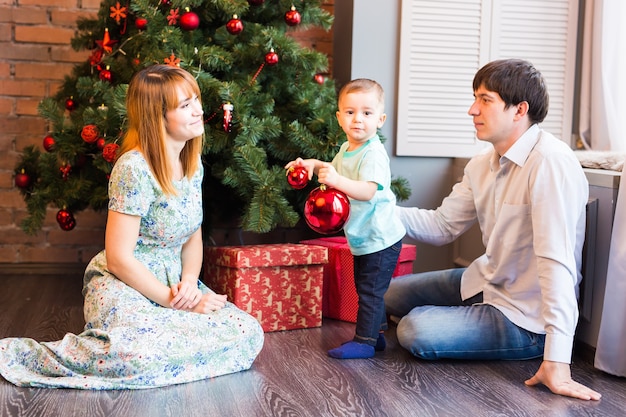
366,44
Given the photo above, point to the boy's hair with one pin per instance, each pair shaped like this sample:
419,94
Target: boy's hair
366,85
153,92
516,80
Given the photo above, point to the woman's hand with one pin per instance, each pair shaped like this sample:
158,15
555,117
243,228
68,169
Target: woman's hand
185,296
210,302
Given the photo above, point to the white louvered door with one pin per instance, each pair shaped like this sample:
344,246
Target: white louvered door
443,43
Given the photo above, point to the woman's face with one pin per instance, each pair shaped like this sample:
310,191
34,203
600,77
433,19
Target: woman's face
185,122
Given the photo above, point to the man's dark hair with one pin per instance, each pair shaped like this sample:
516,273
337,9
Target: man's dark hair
516,80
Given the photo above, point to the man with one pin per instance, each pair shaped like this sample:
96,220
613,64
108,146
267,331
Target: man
528,194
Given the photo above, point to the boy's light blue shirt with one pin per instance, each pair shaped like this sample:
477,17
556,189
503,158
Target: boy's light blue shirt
373,224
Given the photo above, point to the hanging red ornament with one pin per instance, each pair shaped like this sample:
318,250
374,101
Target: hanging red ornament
271,58
172,61
141,23
109,152
292,17
255,2
319,78
70,104
106,44
49,143
22,179
66,219
96,57
65,171
234,25
228,117
100,143
106,75
189,21
118,12
297,177
172,18
326,210
89,133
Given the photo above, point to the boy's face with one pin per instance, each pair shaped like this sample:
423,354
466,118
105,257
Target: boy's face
360,115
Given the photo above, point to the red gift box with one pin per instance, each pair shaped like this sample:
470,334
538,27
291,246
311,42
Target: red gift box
279,284
340,300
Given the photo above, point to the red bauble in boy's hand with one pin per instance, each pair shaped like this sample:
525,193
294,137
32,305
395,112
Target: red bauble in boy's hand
326,210
297,177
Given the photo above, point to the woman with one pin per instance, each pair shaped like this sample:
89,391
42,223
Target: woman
149,321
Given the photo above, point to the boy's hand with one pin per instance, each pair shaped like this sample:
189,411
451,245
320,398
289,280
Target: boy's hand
328,175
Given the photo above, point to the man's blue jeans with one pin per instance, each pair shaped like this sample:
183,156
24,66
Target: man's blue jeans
372,274
437,324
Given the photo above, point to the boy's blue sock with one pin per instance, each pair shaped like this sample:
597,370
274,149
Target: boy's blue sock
381,343
352,350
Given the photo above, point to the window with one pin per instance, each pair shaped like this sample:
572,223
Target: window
444,43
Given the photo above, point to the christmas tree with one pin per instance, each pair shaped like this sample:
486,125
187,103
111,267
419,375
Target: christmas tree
266,101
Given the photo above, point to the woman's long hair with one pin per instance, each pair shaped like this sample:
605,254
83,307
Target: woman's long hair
152,92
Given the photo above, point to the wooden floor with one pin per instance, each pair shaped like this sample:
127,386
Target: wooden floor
292,376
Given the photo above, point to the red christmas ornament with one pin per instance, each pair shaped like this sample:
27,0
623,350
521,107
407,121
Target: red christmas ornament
100,143
255,2
49,143
65,171
228,117
189,21
319,78
70,104
234,25
106,75
22,179
89,133
141,23
66,219
326,210
271,58
297,177
292,17
109,152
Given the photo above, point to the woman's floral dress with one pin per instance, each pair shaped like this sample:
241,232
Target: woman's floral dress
128,341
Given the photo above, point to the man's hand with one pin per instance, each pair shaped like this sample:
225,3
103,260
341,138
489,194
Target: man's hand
557,377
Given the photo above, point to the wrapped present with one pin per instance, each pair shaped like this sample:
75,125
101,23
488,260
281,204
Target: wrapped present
279,284
340,300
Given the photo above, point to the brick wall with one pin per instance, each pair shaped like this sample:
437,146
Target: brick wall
35,55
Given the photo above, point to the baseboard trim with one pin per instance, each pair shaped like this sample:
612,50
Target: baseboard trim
72,269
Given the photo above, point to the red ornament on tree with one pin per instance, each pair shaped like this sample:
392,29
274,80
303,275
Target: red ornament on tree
65,171
297,177
70,104
106,75
292,17
109,152
89,133
228,117
141,23
319,78
22,179
100,143
234,25
189,21
49,143
66,219
326,210
271,58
